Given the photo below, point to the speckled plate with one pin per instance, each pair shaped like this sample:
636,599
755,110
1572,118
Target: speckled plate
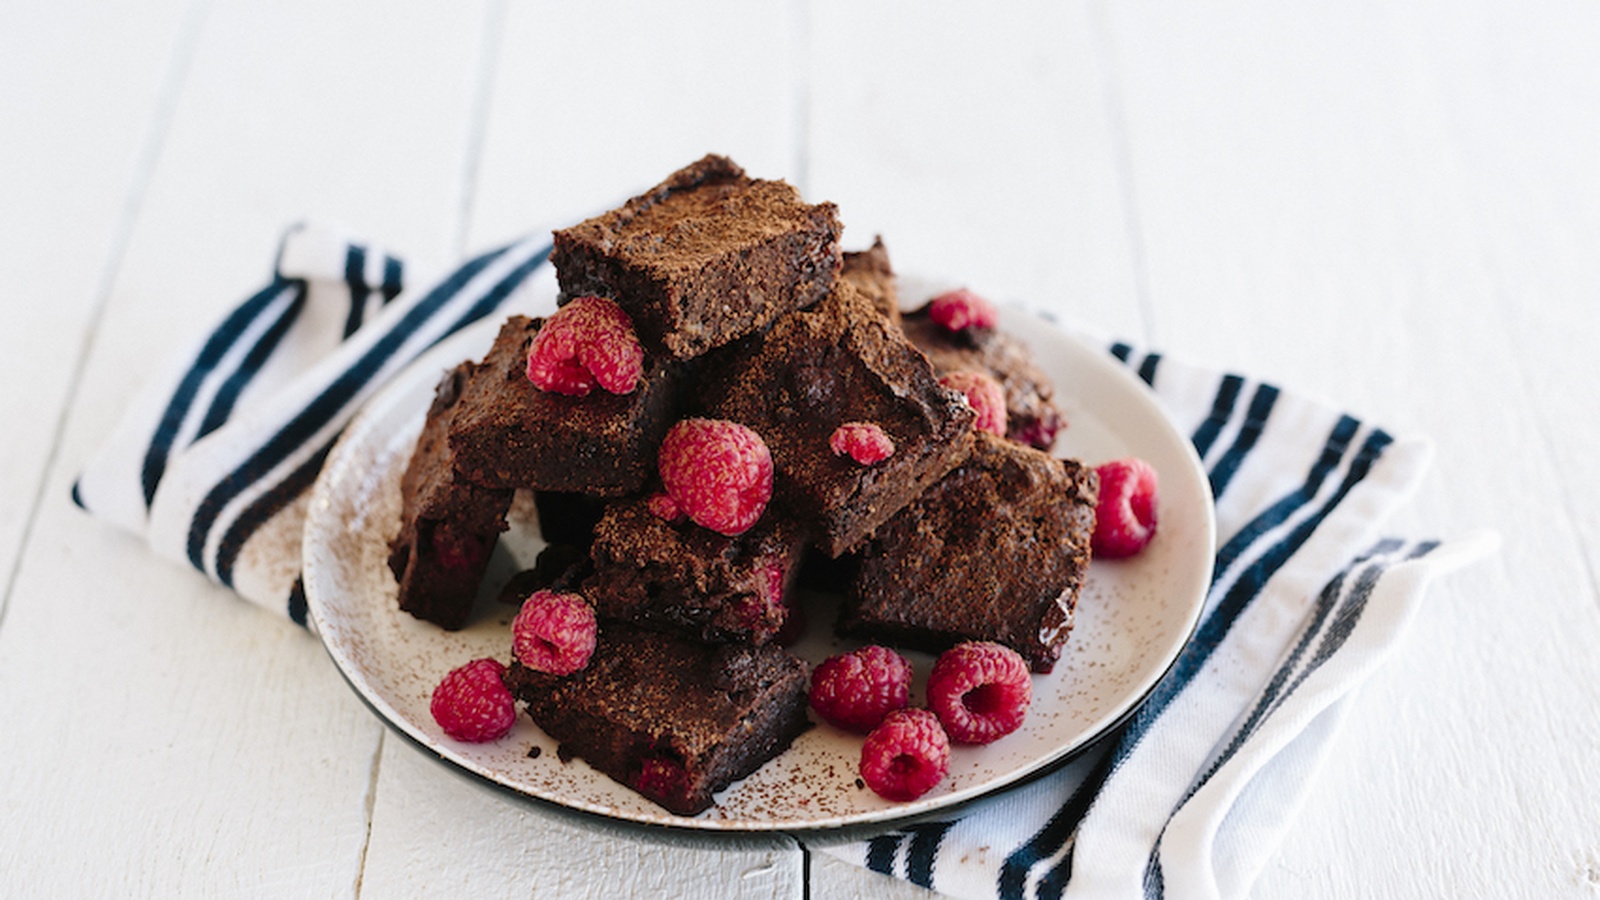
1133,618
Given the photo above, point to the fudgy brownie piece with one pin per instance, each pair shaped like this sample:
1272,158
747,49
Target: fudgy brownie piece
509,434
448,526
996,551
870,272
1031,416
680,577
675,720
703,258
837,362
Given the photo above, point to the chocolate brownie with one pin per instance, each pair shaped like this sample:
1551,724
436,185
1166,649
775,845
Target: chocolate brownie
996,551
448,526
509,434
673,719
1031,416
680,577
703,258
840,361
870,272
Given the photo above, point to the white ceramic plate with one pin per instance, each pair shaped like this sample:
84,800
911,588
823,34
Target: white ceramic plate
1133,618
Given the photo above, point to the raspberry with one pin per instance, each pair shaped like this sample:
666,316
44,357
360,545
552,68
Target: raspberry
718,472
589,341
662,775
1125,518
864,442
554,633
961,309
907,755
664,508
984,395
455,550
472,704
980,691
854,691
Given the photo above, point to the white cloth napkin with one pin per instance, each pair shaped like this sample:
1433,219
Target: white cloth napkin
213,465
1191,796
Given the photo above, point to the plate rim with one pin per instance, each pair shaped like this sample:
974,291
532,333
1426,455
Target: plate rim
449,351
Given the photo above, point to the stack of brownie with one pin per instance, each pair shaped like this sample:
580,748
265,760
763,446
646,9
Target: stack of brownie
746,311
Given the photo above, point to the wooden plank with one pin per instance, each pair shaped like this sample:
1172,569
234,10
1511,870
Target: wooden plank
177,739
596,102
560,143
1402,237
74,152
979,146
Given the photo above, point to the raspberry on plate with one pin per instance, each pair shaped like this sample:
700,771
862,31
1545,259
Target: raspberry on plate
980,691
985,395
472,704
907,755
854,691
961,309
718,472
554,633
588,342
1125,518
864,442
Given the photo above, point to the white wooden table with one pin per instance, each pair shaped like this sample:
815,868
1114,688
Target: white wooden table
1395,208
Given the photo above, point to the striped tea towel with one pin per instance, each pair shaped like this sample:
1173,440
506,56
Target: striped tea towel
1190,797
214,462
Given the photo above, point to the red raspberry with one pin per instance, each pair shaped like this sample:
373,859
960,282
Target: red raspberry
1125,518
472,704
961,309
663,507
718,472
455,550
587,342
980,691
984,395
864,442
662,776
854,691
907,755
554,633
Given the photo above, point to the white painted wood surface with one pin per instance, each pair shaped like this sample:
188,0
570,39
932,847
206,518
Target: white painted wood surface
1397,209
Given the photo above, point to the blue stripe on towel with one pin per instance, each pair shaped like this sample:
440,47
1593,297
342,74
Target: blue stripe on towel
228,395
1221,411
392,279
211,353
355,277
1261,404
924,850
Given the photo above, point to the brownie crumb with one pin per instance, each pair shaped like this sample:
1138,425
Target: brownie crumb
535,751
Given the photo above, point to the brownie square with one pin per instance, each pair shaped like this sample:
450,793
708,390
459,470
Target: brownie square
1031,415
996,551
705,257
870,272
673,719
841,361
448,526
680,577
509,434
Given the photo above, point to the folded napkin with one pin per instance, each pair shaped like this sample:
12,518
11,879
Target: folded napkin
214,461
1190,797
